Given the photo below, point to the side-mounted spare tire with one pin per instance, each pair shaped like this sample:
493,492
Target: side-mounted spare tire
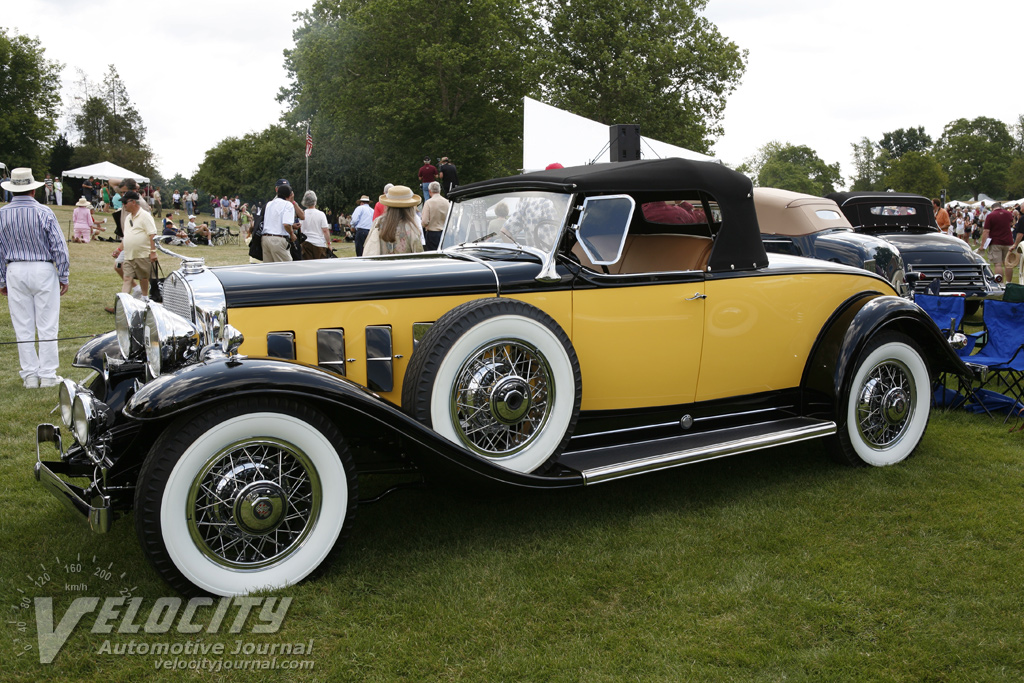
500,378
885,408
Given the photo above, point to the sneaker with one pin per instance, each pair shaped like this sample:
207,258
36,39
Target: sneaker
109,309
32,382
136,291
45,382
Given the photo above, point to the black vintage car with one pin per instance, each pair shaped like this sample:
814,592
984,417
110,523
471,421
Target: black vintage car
579,325
815,227
908,222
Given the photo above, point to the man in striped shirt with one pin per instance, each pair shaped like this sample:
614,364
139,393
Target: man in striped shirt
34,269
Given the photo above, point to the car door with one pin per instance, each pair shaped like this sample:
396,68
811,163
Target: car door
638,311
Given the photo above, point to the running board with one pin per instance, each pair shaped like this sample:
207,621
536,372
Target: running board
617,462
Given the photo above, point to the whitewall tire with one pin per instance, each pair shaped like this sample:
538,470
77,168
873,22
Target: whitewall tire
246,497
885,411
500,378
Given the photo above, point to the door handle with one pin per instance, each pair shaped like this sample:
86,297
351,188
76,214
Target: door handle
696,296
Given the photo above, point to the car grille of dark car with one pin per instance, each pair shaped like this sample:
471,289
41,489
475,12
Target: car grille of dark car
177,297
965,278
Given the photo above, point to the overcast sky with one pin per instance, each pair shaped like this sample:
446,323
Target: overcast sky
821,73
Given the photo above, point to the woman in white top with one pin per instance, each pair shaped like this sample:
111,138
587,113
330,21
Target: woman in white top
316,229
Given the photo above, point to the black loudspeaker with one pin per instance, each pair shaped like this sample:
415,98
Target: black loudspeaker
624,142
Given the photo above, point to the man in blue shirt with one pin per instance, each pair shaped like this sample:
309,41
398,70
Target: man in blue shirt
362,221
34,268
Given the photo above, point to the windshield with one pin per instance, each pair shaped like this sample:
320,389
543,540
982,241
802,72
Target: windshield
530,219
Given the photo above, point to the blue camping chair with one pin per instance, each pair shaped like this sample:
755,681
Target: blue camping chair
947,312
1003,350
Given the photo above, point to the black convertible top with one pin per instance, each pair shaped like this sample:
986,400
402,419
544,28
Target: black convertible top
857,208
737,247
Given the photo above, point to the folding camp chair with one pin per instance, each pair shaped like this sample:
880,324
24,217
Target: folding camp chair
948,314
1003,350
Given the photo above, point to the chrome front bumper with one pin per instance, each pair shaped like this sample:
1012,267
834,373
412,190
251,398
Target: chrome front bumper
90,502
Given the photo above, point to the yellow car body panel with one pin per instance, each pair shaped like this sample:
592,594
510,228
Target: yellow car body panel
400,314
759,331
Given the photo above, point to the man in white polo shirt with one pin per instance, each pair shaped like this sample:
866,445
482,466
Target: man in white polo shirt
280,221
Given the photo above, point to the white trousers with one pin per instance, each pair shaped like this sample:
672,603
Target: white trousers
33,296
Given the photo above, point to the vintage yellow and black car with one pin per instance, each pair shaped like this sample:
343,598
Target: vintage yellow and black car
577,326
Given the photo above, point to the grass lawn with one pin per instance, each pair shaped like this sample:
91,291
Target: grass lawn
778,565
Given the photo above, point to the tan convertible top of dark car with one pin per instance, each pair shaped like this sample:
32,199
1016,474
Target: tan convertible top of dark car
781,212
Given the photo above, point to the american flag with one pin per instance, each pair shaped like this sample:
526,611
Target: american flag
309,141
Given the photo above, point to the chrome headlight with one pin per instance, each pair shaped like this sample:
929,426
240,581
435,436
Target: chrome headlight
67,393
129,317
171,341
89,418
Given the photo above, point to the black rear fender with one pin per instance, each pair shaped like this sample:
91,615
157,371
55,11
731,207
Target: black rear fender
833,359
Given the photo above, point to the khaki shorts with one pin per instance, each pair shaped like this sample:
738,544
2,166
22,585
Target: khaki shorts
138,268
997,253
275,248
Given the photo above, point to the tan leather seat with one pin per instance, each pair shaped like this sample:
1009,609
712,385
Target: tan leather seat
656,254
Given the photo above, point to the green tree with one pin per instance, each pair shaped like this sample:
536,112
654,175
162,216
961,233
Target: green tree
385,82
753,164
1015,179
110,128
29,100
250,166
976,155
867,158
916,172
656,63
60,155
800,169
901,141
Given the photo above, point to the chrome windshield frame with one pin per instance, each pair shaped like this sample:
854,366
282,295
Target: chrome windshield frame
547,258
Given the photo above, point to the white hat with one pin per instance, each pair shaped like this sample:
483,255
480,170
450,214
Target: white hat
82,202
21,181
191,216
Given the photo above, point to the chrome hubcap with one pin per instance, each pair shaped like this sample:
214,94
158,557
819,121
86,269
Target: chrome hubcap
885,406
253,503
501,398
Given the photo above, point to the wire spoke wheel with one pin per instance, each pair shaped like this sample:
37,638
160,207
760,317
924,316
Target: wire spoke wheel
885,408
253,503
499,378
502,397
886,403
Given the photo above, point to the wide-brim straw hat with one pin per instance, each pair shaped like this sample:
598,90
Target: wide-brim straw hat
400,196
1012,258
82,202
21,181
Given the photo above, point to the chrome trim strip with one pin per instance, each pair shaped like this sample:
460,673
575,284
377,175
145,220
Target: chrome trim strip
626,430
632,468
745,412
696,420
454,253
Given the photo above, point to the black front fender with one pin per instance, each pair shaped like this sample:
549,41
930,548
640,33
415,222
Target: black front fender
855,323
342,400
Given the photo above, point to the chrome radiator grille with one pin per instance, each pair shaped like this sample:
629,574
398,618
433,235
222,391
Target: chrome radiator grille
178,296
964,277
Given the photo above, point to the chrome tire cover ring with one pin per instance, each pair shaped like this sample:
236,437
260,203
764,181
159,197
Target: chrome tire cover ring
885,404
502,397
253,503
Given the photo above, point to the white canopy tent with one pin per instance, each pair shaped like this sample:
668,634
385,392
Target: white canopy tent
552,135
104,171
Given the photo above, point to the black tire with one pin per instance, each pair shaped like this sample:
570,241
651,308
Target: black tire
500,378
250,495
886,407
